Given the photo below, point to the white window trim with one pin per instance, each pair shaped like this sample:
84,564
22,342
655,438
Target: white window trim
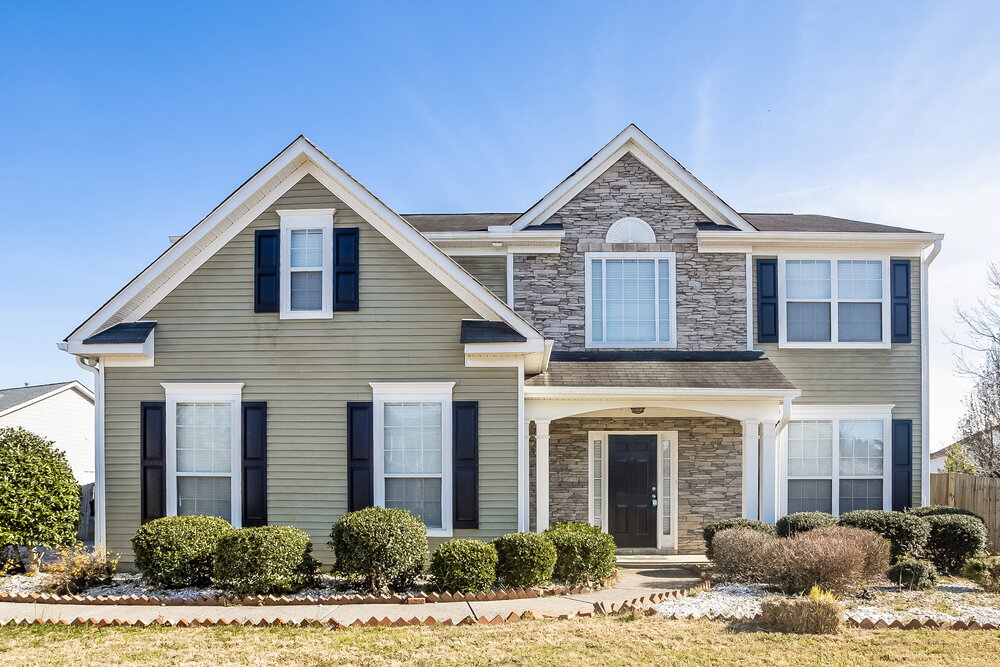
309,218
597,439
836,414
672,263
423,392
205,392
783,341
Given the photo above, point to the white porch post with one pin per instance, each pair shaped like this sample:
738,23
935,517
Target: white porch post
769,476
541,474
751,468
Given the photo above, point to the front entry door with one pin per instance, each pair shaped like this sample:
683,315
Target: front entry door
631,490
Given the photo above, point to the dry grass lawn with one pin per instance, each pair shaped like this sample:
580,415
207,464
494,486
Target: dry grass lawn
603,640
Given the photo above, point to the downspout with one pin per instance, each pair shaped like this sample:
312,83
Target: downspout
786,416
925,445
95,367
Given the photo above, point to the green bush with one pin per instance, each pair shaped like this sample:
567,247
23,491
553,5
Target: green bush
907,533
464,566
380,548
524,559
800,522
954,539
177,551
913,574
39,497
264,560
985,572
583,553
709,531
937,510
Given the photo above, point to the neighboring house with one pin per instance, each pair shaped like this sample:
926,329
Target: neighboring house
62,412
630,351
938,459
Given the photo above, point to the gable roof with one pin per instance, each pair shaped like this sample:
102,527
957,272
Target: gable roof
16,398
634,141
299,158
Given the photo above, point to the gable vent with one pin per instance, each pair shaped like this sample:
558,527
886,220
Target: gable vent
630,230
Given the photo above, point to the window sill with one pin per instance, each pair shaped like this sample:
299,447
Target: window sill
306,315
792,345
631,346
438,532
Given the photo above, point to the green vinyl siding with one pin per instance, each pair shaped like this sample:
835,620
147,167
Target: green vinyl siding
490,270
860,377
307,370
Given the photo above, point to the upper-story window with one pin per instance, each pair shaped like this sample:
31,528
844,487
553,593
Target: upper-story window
631,299
834,302
306,263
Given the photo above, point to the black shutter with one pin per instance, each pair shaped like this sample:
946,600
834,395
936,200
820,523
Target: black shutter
254,464
902,464
345,269
465,463
360,475
767,300
900,290
152,453
266,277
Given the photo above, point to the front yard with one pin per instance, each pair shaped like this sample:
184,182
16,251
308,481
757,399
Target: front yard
601,640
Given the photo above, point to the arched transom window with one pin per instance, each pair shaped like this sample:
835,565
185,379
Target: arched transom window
630,230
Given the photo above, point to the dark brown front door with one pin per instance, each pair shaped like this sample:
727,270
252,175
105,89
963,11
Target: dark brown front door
631,489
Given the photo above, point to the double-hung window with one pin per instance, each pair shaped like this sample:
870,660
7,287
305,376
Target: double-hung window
834,302
630,299
203,449
306,263
413,450
837,465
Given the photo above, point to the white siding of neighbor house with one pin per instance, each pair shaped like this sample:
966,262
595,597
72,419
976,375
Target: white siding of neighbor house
68,420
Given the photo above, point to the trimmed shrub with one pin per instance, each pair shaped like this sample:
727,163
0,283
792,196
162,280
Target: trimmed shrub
709,531
913,574
801,522
817,613
985,572
39,497
78,568
264,560
524,559
873,549
938,510
954,539
743,555
831,562
464,566
583,553
178,551
908,533
380,548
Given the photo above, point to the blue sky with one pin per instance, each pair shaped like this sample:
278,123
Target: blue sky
123,123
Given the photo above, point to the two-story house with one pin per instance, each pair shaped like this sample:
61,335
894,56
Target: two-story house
630,352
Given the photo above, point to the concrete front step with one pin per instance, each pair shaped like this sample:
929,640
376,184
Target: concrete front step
646,561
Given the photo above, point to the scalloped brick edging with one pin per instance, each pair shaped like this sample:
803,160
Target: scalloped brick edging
865,623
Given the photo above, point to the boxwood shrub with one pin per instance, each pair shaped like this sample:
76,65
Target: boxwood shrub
800,522
524,559
464,566
380,548
178,551
954,539
935,510
913,574
709,531
907,533
583,553
264,560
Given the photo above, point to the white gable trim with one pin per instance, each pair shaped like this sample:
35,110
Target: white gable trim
315,163
633,140
76,386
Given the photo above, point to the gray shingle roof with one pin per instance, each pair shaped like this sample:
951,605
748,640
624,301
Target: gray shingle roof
757,374
481,331
15,396
458,222
125,332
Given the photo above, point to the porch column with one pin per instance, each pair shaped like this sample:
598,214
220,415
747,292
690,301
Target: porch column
751,468
769,476
541,474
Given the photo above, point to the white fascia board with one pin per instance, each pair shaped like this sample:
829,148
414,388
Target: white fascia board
498,241
633,140
657,392
89,395
897,244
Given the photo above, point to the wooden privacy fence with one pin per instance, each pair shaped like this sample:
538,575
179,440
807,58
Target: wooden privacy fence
976,494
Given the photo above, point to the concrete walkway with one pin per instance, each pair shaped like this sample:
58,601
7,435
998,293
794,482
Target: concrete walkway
631,584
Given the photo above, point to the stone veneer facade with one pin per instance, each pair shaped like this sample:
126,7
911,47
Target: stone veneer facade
709,470
711,287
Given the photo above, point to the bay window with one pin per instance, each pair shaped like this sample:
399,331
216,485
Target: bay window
630,299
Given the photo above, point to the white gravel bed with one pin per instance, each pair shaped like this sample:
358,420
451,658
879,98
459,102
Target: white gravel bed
953,600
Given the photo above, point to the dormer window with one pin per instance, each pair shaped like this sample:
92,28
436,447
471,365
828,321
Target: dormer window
631,300
306,263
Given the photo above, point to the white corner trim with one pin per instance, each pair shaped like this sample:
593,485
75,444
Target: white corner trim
925,445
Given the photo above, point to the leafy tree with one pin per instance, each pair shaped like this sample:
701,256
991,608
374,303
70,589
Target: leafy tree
39,497
957,460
